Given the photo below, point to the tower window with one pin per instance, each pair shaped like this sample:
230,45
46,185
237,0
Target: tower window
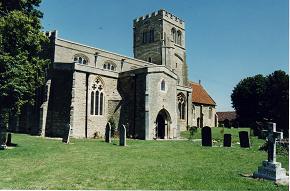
162,86
148,36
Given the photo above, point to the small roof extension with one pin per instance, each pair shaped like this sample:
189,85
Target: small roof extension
199,95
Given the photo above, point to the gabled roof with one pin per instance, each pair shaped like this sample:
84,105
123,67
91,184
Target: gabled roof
230,115
199,95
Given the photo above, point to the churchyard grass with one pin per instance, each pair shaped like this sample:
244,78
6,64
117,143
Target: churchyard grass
41,163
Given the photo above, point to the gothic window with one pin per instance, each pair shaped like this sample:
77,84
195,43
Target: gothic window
148,36
181,105
81,59
178,37
210,113
162,85
173,34
97,98
109,66
193,111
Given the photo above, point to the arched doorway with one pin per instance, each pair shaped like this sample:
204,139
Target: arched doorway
163,121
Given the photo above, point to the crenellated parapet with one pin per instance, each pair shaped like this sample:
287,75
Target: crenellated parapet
161,14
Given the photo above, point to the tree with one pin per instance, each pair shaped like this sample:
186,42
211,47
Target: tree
256,98
21,44
247,99
277,99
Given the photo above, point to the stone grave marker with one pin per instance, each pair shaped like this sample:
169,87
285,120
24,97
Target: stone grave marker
66,137
227,140
3,139
108,133
122,135
244,139
9,137
206,136
271,169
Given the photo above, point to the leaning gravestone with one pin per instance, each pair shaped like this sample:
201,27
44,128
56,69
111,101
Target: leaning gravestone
206,136
108,133
122,135
271,169
227,140
67,134
244,139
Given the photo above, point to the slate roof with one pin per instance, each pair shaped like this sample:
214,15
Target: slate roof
230,115
199,95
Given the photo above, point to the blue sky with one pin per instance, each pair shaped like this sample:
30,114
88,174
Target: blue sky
226,40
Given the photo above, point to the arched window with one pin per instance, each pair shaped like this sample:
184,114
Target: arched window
109,66
149,59
181,105
162,85
81,59
97,98
179,37
173,34
210,112
193,111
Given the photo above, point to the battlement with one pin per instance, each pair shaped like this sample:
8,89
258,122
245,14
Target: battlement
163,14
50,34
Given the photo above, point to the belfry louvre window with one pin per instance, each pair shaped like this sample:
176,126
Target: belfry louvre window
148,36
97,98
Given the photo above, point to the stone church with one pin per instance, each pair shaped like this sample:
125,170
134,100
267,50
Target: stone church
150,94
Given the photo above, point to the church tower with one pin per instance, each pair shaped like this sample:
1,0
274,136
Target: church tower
160,38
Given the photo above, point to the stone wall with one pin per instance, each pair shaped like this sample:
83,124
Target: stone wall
207,119
58,114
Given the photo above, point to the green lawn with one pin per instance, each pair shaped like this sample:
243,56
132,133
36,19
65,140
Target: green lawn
40,163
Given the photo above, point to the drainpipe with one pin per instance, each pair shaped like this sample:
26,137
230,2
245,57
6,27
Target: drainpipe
86,117
134,108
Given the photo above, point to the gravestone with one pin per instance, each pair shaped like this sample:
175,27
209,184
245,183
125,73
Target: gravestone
206,136
227,140
108,133
271,169
122,135
66,137
9,137
3,139
244,139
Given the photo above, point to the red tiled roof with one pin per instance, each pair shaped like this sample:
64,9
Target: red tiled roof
199,95
230,115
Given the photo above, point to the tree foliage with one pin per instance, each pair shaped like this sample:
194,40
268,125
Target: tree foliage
21,44
258,97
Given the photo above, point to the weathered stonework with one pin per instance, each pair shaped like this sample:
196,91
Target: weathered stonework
136,92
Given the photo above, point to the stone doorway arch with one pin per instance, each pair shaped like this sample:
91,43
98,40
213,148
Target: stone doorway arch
163,121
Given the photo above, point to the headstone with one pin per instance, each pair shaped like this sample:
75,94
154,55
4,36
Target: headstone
3,140
244,139
271,169
206,136
122,135
9,137
108,133
66,137
227,140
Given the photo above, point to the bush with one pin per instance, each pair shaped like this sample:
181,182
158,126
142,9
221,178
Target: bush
192,131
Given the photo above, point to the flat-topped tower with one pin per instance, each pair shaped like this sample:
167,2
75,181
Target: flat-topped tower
159,38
